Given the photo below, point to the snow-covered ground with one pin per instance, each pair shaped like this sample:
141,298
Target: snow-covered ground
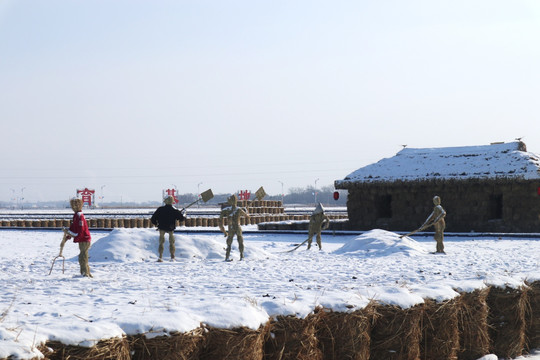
132,293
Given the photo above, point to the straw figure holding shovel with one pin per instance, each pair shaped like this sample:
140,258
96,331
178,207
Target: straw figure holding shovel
81,234
233,213
165,219
435,219
318,222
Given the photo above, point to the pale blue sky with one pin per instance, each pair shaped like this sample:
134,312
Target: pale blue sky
139,95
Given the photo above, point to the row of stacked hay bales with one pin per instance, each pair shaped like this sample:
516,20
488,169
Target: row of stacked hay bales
199,221
491,320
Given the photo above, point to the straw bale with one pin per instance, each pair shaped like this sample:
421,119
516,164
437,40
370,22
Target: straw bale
292,338
181,346
396,333
111,349
344,335
506,320
238,343
440,334
120,223
533,316
147,223
473,325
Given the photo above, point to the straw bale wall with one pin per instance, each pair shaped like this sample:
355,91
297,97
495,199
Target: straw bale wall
471,205
490,320
266,222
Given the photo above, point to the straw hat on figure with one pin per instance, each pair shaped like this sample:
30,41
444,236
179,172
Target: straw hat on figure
317,222
233,213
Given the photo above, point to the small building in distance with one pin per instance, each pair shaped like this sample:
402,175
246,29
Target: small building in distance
490,188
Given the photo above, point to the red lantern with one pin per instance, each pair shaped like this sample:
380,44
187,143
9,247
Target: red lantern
336,194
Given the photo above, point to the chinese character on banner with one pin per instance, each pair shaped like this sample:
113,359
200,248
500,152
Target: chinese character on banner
87,196
244,195
171,192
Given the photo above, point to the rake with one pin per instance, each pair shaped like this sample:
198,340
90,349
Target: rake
64,239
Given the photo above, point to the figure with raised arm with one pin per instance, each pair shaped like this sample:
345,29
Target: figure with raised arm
165,219
233,213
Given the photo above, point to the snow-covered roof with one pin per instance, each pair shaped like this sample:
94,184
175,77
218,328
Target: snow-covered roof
499,160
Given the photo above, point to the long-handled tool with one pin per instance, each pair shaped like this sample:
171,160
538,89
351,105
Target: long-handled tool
417,230
296,247
64,239
205,196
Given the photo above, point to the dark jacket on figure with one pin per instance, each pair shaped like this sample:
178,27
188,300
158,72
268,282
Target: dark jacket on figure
165,217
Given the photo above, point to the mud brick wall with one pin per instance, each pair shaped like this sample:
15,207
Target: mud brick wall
471,205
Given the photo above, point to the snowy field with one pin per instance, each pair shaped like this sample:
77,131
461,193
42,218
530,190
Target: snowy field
131,293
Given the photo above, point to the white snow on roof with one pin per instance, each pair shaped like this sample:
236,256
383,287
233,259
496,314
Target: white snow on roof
501,160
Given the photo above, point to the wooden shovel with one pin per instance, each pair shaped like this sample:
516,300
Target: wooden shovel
205,196
259,195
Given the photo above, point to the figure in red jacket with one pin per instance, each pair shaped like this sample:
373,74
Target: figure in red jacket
80,234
